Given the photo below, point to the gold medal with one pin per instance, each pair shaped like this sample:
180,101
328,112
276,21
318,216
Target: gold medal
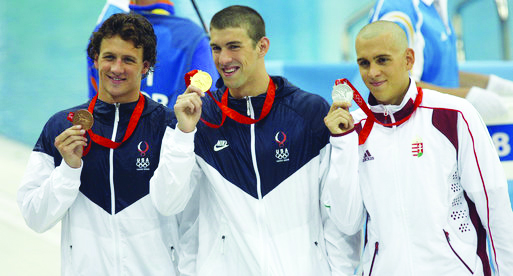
84,118
201,80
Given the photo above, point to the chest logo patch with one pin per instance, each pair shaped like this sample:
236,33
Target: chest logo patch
282,153
221,144
417,147
367,156
142,162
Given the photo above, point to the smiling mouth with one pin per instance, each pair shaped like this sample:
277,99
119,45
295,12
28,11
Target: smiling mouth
377,83
116,79
229,71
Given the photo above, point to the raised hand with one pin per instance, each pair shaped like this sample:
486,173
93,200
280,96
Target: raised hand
70,144
339,120
188,108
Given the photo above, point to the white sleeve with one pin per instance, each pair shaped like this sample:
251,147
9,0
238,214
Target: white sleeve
171,186
46,192
343,250
341,194
484,180
189,234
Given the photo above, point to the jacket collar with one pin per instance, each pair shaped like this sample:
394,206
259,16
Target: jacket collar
283,87
108,111
405,108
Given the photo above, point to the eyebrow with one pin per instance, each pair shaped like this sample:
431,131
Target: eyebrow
381,56
228,43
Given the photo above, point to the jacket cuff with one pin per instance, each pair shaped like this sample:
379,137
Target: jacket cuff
342,134
69,173
184,141
340,140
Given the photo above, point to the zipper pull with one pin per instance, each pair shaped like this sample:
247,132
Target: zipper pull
386,112
222,247
248,104
319,252
172,253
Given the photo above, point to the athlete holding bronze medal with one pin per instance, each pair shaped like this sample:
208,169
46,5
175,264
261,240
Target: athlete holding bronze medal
257,159
94,178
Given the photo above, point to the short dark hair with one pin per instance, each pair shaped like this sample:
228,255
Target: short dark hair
240,17
130,27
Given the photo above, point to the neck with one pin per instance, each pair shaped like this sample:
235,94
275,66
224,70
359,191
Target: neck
108,98
252,87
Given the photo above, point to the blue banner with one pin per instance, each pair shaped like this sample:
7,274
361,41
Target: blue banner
502,136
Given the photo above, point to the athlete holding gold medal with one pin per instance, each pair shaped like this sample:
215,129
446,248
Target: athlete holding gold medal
258,159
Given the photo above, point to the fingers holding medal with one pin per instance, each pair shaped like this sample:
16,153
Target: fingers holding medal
188,105
339,120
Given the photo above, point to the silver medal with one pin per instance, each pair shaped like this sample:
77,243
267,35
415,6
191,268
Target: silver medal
342,93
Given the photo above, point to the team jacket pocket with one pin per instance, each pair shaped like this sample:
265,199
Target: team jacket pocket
454,251
376,249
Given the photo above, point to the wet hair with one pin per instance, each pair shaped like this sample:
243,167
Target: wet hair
240,17
130,27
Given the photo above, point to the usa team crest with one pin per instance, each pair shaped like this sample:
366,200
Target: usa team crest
142,162
282,153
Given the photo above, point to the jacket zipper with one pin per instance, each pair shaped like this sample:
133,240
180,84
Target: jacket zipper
454,251
260,207
113,194
251,114
376,248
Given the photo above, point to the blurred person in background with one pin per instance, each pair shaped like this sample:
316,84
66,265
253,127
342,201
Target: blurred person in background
430,33
96,182
182,46
431,187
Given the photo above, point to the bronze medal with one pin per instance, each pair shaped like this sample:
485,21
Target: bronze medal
84,118
202,80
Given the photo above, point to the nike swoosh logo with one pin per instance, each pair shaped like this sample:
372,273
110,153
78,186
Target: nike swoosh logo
218,148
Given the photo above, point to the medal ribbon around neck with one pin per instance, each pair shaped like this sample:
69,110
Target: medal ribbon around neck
234,115
371,119
102,141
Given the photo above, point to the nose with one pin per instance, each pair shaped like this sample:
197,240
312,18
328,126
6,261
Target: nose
117,66
374,70
224,58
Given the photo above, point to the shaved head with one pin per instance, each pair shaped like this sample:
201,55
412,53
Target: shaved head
395,34
384,60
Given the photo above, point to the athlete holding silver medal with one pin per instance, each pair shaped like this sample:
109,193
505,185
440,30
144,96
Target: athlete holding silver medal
339,120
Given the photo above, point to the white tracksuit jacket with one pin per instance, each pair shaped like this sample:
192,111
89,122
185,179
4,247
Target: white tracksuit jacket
109,224
260,187
424,184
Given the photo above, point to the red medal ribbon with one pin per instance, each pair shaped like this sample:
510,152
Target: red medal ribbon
134,119
234,115
371,119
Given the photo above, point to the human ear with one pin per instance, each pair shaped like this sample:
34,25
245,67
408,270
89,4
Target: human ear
263,46
410,58
146,68
96,61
